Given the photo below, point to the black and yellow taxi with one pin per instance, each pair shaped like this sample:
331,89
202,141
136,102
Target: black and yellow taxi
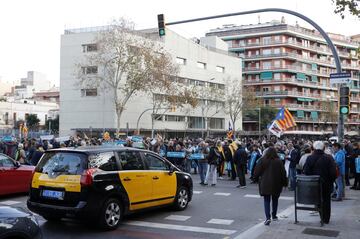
103,184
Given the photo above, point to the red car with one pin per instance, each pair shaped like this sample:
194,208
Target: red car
14,177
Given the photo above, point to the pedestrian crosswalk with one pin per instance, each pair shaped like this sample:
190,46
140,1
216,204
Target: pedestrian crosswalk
9,202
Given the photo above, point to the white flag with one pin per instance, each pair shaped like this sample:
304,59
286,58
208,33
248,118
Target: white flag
275,129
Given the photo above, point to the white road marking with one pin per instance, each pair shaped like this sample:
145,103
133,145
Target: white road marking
222,194
197,192
260,228
258,196
9,202
220,221
181,228
177,218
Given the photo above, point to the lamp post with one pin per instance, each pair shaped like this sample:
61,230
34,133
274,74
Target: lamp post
152,118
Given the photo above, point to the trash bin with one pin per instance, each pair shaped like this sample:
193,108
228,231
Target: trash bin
308,191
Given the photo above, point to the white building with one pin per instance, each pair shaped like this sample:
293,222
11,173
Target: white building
84,110
10,112
34,82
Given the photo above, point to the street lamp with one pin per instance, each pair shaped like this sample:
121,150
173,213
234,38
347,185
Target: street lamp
152,118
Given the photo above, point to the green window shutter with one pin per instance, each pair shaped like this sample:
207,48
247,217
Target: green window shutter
314,115
314,66
266,75
314,79
300,114
300,76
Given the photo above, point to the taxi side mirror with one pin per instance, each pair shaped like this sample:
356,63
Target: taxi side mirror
17,164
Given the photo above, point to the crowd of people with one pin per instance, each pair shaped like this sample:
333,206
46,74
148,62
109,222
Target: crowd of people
272,163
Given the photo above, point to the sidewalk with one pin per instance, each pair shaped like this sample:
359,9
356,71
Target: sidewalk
344,222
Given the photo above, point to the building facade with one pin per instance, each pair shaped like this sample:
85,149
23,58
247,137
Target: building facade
84,110
34,82
288,65
11,112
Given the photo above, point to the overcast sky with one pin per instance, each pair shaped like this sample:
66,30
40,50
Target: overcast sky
31,29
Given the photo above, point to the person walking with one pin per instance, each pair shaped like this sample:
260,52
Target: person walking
271,174
240,159
292,158
322,164
340,162
20,154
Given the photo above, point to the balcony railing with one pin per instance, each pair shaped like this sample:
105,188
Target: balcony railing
298,56
289,80
324,73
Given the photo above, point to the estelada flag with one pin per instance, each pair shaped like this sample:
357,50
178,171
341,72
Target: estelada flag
284,119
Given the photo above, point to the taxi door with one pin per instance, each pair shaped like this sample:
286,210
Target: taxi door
135,179
163,183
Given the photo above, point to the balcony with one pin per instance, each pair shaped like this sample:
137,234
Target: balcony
293,68
288,80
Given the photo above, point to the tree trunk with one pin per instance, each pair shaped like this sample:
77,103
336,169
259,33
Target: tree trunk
118,117
234,128
152,126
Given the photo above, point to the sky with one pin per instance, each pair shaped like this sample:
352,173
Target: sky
31,29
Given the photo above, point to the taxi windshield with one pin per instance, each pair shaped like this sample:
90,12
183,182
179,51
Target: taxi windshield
69,163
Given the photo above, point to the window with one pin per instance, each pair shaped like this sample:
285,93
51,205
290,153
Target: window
277,38
266,40
266,65
104,161
277,76
158,117
131,161
89,47
88,92
180,61
196,123
200,83
88,70
267,52
6,162
277,64
154,163
56,163
175,118
201,65
217,123
220,69
276,50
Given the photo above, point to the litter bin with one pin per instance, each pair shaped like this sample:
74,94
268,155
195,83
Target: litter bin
308,191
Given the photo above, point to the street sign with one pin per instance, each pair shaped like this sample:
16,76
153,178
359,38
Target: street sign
340,78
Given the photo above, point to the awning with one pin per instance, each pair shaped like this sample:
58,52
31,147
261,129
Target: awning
305,99
314,78
300,76
314,115
266,75
300,114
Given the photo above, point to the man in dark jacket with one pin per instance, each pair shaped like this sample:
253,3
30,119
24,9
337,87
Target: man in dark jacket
240,160
293,158
319,163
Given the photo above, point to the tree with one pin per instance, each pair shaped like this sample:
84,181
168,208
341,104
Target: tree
177,95
129,63
353,7
329,115
267,115
238,99
32,121
211,102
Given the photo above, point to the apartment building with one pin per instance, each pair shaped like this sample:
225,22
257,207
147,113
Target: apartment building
202,64
289,65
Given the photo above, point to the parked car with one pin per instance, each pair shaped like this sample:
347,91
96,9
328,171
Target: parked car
104,184
18,223
14,177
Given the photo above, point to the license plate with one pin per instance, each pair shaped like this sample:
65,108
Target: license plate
53,194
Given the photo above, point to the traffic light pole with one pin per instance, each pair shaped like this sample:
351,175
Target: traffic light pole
308,20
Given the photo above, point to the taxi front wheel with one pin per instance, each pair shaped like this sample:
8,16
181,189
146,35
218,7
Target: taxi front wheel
111,214
182,199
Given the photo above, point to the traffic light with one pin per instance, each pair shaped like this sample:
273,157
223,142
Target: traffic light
161,24
344,100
